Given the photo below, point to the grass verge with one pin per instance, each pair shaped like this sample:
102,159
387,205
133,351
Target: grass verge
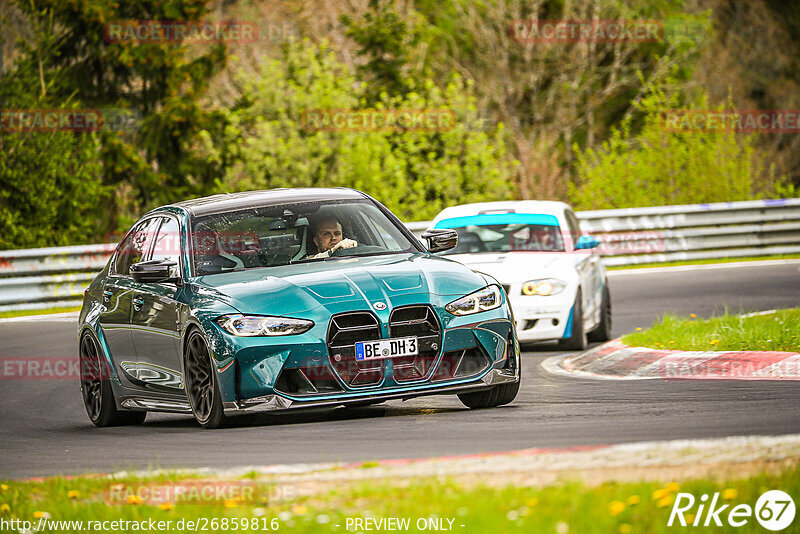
25,313
704,262
778,331
561,508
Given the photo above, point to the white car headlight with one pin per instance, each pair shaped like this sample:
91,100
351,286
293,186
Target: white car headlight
485,299
544,287
260,325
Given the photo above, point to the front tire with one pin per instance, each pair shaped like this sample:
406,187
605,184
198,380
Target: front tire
577,340
202,386
98,397
497,396
603,330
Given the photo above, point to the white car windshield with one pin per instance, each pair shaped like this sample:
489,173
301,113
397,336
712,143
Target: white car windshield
505,232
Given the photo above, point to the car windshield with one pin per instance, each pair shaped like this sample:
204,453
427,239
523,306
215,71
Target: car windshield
505,232
293,233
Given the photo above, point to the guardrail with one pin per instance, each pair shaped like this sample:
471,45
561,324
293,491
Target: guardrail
48,277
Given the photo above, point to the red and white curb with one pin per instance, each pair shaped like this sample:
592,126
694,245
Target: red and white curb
617,361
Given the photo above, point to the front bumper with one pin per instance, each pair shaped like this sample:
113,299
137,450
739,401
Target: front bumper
297,371
540,318
276,402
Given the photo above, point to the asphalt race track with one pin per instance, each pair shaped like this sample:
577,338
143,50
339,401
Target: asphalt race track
44,429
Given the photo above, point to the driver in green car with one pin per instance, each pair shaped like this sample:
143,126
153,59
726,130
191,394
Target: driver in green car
327,235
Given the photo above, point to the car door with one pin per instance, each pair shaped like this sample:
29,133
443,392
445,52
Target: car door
589,272
154,321
117,291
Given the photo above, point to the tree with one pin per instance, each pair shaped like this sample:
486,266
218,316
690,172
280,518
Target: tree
661,167
163,82
415,173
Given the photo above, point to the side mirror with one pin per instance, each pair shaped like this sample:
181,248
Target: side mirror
153,271
586,242
440,239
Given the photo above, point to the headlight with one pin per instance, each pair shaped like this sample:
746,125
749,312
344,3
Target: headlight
486,299
259,325
544,287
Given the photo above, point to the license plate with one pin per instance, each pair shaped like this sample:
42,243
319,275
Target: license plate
386,348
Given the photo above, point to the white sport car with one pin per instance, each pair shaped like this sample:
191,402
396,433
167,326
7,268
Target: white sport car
555,281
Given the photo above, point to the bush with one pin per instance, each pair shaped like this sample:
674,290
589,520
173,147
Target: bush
659,167
415,173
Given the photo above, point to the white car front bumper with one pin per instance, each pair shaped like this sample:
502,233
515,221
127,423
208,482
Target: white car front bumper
540,318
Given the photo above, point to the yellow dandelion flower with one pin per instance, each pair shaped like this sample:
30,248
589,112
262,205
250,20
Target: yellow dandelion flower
133,499
4,487
729,494
663,503
672,487
633,500
299,509
616,507
166,506
689,518
231,503
659,494
38,514
693,316
532,502
73,494
625,528
638,328
4,508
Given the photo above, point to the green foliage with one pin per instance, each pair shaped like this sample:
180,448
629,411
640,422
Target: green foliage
772,331
485,502
415,173
163,82
51,191
387,42
661,167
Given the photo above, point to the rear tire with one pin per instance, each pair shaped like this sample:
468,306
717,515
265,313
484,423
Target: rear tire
202,386
98,397
603,330
576,341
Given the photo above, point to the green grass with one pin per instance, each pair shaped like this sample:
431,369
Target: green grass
564,507
705,262
25,313
778,331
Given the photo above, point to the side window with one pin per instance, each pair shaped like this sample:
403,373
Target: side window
168,243
574,227
135,246
389,237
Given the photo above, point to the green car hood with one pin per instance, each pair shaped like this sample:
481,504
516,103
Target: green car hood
340,284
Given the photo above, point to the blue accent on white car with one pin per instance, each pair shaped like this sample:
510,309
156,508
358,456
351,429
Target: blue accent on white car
498,218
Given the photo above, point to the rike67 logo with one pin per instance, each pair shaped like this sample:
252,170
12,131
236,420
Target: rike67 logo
774,510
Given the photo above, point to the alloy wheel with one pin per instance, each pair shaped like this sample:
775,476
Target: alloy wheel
200,383
91,377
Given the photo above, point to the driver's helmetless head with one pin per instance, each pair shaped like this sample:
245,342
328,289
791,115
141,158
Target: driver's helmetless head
328,232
